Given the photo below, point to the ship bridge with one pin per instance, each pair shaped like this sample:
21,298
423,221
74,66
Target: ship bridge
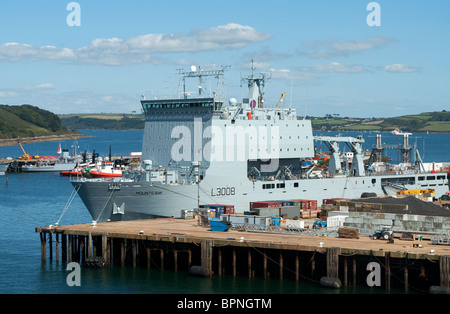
191,105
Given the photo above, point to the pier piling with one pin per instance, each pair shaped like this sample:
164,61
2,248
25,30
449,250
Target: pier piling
444,265
260,255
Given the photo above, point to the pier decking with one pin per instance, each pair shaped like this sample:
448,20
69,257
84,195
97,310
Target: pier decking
180,243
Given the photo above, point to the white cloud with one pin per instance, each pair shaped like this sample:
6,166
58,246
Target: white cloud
43,86
330,49
399,68
27,91
286,74
16,52
8,94
139,49
335,67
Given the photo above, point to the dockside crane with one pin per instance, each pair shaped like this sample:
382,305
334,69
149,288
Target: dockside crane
281,100
25,156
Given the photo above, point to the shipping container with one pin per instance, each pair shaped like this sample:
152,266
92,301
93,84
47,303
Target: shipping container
283,202
219,209
290,211
290,223
262,204
306,204
245,219
267,211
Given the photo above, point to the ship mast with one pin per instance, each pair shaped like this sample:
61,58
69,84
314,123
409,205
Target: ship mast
256,88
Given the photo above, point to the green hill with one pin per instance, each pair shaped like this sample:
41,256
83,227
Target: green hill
424,122
110,121
29,121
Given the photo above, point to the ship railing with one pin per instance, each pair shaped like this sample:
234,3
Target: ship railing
85,179
329,175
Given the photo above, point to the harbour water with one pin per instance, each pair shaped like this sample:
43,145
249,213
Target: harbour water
30,200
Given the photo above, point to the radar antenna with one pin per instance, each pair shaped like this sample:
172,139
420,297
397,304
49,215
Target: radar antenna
200,74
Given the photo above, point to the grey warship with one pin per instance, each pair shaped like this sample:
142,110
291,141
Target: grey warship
204,150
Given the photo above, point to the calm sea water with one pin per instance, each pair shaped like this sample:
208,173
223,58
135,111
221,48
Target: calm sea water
30,200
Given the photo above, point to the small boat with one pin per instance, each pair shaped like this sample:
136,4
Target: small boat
48,166
399,132
107,170
63,162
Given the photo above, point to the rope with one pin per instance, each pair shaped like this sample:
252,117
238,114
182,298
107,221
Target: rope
69,201
106,203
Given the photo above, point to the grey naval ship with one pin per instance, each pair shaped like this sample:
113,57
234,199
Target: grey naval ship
204,150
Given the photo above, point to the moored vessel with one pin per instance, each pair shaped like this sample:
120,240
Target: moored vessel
203,151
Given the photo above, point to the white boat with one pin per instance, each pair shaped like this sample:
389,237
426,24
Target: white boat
400,132
62,163
106,170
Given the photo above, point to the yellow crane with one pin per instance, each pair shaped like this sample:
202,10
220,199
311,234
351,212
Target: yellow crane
281,100
25,156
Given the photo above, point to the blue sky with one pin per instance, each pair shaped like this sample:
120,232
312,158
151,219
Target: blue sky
322,53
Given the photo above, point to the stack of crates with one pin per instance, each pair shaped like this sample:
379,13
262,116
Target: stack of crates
330,201
218,209
308,208
187,214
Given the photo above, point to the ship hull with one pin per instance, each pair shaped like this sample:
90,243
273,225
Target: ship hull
109,200
50,168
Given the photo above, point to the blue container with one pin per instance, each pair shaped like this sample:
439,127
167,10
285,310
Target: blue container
219,226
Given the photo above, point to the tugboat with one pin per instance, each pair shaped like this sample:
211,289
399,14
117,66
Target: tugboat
107,170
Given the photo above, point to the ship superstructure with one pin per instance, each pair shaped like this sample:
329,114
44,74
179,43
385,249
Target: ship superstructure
204,150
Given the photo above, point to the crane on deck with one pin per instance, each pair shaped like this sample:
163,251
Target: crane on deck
281,100
25,156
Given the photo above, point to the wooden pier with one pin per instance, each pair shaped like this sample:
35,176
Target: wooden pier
178,244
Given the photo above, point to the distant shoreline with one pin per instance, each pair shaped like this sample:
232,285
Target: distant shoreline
38,139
